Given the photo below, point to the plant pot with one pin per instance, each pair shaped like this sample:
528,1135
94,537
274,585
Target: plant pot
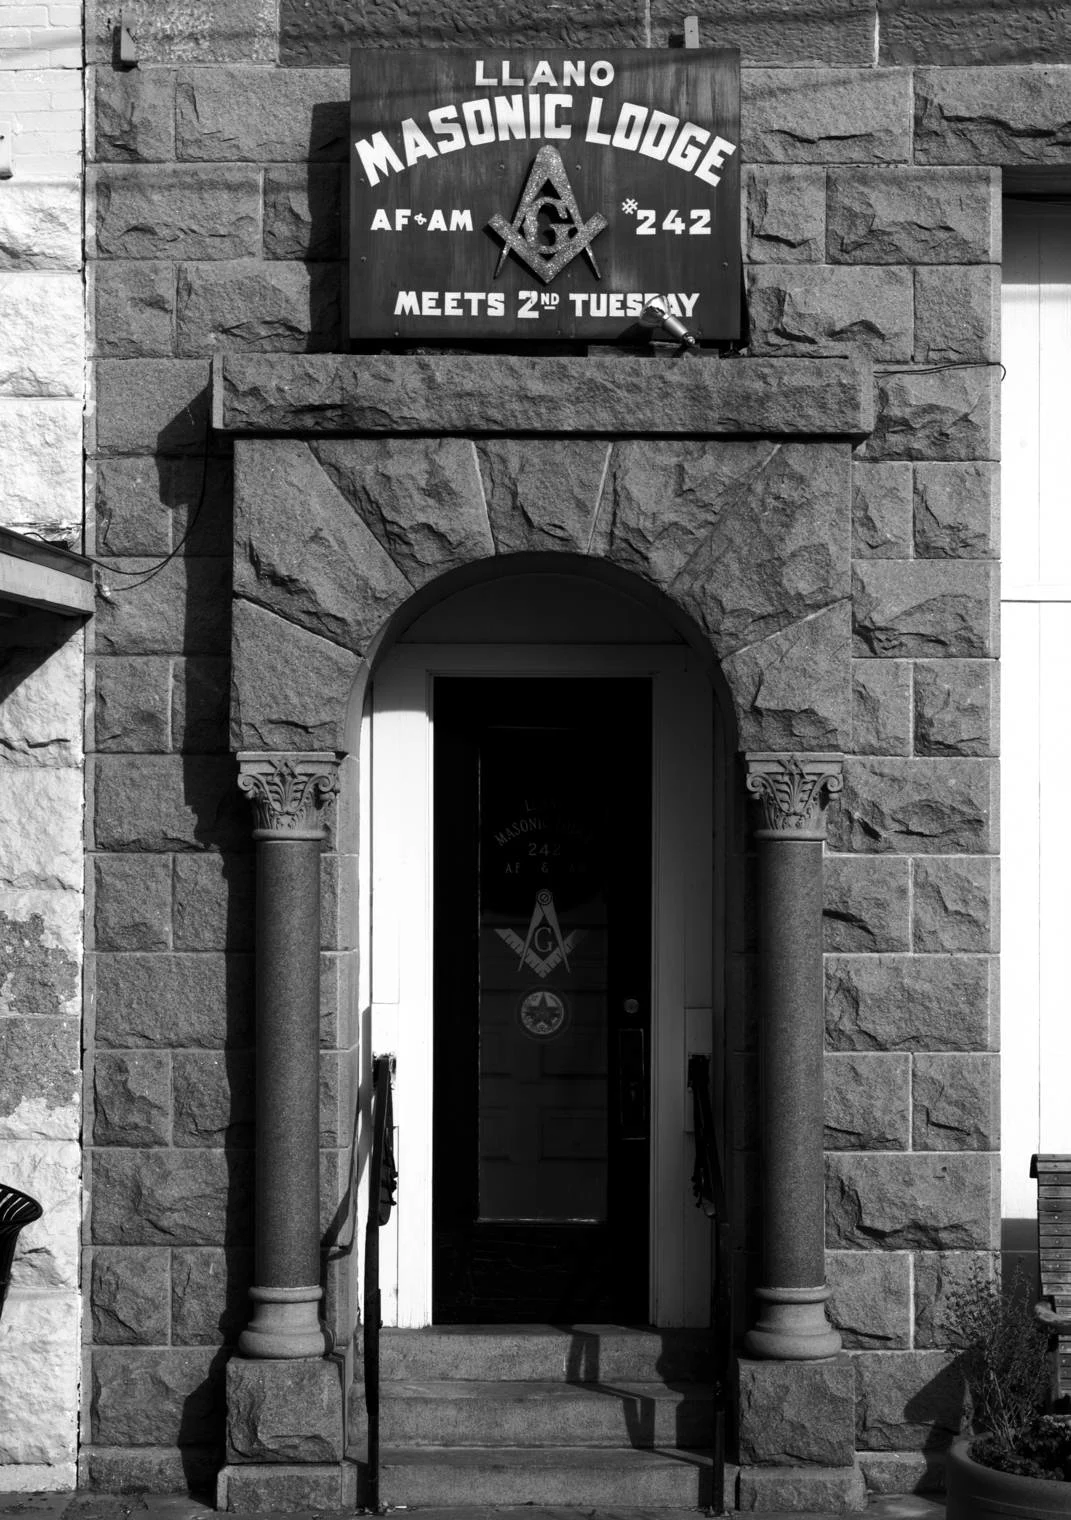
982,1493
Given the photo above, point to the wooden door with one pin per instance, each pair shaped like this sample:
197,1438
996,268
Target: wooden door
542,999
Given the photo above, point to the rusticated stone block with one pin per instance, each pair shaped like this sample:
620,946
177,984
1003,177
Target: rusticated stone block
903,1472
871,1303
957,315
135,115
1003,116
303,212
827,116
907,1401
341,584
866,903
711,523
867,1101
243,115
796,1490
834,31
1031,32
152,406
916,807
158,802
940,1276
132,707
826,308
177,212
421,500
40,809
130,1296
542,493
338,1029
132,1093
339,894
41,225
913,216
274,1487
209,1294
133,309
41,341
39,1377
200,704
956,707
924,608
152,1198
315,32
881,707
797,1413
956,1102
448,393
905,1002
281,673
948,415
881,511
187,31
904,1202
143,504
183,607
283,1411
956,510
203,1001
40,948
954,904
148,1469
40,1078
785,214
51,1172
259,306
213,1096
156,1398
792,691
213,902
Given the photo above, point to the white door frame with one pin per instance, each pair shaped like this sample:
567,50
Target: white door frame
402,937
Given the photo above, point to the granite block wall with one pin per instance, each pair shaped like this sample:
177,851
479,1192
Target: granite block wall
871,222
42,364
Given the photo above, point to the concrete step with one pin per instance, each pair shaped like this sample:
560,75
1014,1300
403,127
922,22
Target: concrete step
568,1476
452,1412
545,1353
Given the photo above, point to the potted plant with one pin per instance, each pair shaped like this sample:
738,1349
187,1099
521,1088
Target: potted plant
1016,1459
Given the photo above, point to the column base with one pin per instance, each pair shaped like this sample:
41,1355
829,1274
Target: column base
285,1323
792,1326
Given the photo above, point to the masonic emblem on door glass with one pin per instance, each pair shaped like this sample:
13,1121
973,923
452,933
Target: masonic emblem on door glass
544,947
548,230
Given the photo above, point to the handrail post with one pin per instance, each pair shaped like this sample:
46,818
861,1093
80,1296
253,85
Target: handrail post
382,1179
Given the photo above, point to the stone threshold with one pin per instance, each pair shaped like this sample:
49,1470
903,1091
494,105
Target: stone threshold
496,393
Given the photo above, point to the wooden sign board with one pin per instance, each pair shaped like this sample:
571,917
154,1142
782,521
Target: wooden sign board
543,194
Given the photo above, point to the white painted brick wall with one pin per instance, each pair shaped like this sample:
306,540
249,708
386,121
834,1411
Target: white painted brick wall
42,397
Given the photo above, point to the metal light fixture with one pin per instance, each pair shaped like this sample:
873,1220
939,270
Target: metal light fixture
656,314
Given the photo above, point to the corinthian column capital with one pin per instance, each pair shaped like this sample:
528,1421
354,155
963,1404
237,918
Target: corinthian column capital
793,791
288,792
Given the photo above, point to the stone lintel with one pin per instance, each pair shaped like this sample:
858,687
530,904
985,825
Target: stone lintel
288,791
449,393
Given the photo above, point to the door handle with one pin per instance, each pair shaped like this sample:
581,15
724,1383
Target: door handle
632,1083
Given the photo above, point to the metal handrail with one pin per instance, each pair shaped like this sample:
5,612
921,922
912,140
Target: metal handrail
382,1181
708,1184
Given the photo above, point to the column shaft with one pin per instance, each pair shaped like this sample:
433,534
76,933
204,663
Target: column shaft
791,1324
287,793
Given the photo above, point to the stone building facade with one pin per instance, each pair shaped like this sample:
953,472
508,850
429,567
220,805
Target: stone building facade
813,516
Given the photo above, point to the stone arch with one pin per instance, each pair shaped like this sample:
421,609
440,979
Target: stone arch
744,542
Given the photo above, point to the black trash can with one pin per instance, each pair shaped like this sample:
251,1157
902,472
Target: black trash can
16,1209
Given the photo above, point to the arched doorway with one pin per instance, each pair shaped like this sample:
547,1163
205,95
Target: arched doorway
544,949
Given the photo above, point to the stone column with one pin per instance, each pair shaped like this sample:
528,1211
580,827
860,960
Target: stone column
792,791
288,793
